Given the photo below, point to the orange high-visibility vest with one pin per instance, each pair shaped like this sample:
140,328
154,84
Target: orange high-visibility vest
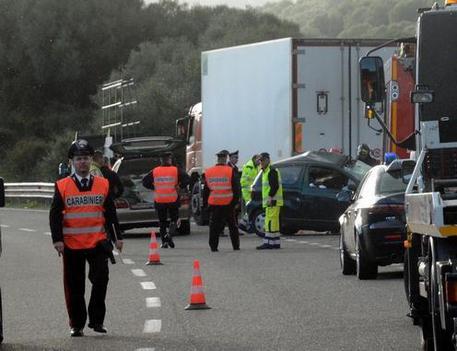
165,183
219,180
83,214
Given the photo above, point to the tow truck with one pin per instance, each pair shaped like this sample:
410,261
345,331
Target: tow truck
430,274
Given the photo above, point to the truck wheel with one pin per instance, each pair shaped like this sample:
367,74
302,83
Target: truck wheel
365,269
258,221
442,339
184,227
348,265
196,205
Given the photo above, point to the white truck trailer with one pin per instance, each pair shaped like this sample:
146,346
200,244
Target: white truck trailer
285,97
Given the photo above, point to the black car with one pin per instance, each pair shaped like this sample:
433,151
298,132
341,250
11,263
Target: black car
135,207
311,182
373,227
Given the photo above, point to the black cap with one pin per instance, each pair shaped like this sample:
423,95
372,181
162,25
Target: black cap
264,156
223,153
80,147
234,153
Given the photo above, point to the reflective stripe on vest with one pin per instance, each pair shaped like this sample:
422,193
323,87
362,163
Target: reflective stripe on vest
165,183
266,188
83,214
219,180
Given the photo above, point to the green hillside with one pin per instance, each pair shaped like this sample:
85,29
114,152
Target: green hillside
351,18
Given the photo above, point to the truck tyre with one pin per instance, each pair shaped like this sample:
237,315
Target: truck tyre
258,221
184,227
348,265
365,269
196,204
442,339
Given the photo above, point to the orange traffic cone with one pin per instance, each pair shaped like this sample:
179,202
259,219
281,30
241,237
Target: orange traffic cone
197,296
154,256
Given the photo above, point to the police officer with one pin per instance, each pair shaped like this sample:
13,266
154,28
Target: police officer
115,184
272,201
220,192
248,174
81,213
363,154
165,180
232,162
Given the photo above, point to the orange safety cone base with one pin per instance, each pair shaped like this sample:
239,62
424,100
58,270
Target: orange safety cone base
152,263
199,306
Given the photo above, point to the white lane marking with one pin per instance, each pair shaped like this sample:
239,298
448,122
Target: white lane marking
138,272
47,233
148,285
325,246
27,229
303,242
146,349
314,244
152,326
4,226
153,302
127,261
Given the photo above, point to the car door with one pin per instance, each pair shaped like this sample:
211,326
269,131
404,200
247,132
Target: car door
292,179
321,208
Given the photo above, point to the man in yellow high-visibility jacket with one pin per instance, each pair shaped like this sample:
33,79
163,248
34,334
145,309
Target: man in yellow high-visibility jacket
272,200
248,175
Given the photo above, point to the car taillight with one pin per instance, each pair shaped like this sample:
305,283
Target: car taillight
121,203
392,237
451,287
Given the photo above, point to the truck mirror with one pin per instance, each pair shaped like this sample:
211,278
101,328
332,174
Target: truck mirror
2,193
182,127
372,82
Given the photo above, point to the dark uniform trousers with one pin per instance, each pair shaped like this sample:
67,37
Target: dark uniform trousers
165,211
74,266
219,216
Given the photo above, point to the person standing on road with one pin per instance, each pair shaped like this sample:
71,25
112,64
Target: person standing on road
363,154
115,184
96,164
82,211
248,174
272,201
232,162
166,180
221,193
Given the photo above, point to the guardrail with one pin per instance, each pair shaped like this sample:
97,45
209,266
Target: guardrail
29,190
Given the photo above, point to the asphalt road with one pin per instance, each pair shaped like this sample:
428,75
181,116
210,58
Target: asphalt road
290,299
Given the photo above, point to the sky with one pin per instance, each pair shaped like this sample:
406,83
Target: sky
232,3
